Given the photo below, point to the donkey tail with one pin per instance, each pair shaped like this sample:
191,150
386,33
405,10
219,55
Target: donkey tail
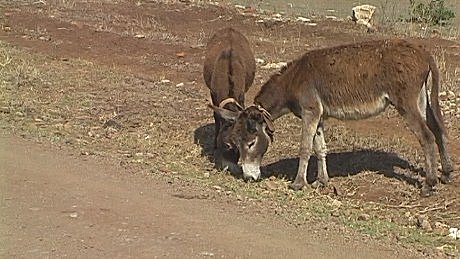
436,123
434,96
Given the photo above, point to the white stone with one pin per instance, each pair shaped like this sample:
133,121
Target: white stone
362,14
303,19
454,233
274,65
260,61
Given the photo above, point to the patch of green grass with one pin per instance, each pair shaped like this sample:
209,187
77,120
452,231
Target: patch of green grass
383,228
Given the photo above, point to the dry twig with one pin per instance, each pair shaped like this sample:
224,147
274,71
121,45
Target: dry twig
446,203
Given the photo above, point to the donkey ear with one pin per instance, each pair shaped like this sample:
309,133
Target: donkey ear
224,113
270,126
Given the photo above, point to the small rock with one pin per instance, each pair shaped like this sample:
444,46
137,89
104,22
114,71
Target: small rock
217,187
180,85
336,203
209,254
364,217
180,54
111,123
362,14
4,109
206,175
165,81
303,19
271,185
440,227
335,213
260,61
79,25
331,17
139,36
237,6
441,248
312,24
274,65
73,215
19,114
454,233
423,223
44,38
442,95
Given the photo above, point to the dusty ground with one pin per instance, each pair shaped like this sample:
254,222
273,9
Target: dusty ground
57,205
122,80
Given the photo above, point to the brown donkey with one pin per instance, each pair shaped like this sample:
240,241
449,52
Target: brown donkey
229,70
347,82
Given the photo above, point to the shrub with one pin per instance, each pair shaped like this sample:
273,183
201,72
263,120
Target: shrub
435,12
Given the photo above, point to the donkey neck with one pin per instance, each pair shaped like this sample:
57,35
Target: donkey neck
272,97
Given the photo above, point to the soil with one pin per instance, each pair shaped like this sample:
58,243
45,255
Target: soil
57,205
58,202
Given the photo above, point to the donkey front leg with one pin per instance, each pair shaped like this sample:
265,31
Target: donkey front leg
319,145
310,123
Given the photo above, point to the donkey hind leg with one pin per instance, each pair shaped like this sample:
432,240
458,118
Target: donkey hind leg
310,123
415,121
441,142
320,148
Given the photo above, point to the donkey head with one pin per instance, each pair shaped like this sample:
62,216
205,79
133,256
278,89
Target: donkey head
250,134
225,155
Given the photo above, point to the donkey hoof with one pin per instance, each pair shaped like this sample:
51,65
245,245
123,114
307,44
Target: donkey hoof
426,191
296,186
445,179
318,184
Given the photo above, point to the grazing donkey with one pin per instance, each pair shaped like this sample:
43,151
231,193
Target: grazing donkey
229,70
347,82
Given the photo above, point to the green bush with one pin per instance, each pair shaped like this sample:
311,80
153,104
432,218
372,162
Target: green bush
435,12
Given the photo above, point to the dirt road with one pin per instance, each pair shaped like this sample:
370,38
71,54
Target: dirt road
55,204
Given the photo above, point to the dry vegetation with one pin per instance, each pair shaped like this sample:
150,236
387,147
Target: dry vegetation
161,125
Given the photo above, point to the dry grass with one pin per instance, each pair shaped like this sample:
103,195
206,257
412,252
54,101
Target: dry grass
140,129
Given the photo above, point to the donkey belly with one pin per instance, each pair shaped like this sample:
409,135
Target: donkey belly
357,110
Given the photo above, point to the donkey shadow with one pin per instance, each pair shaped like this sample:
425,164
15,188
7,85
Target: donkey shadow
343,164
339,164
204,137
